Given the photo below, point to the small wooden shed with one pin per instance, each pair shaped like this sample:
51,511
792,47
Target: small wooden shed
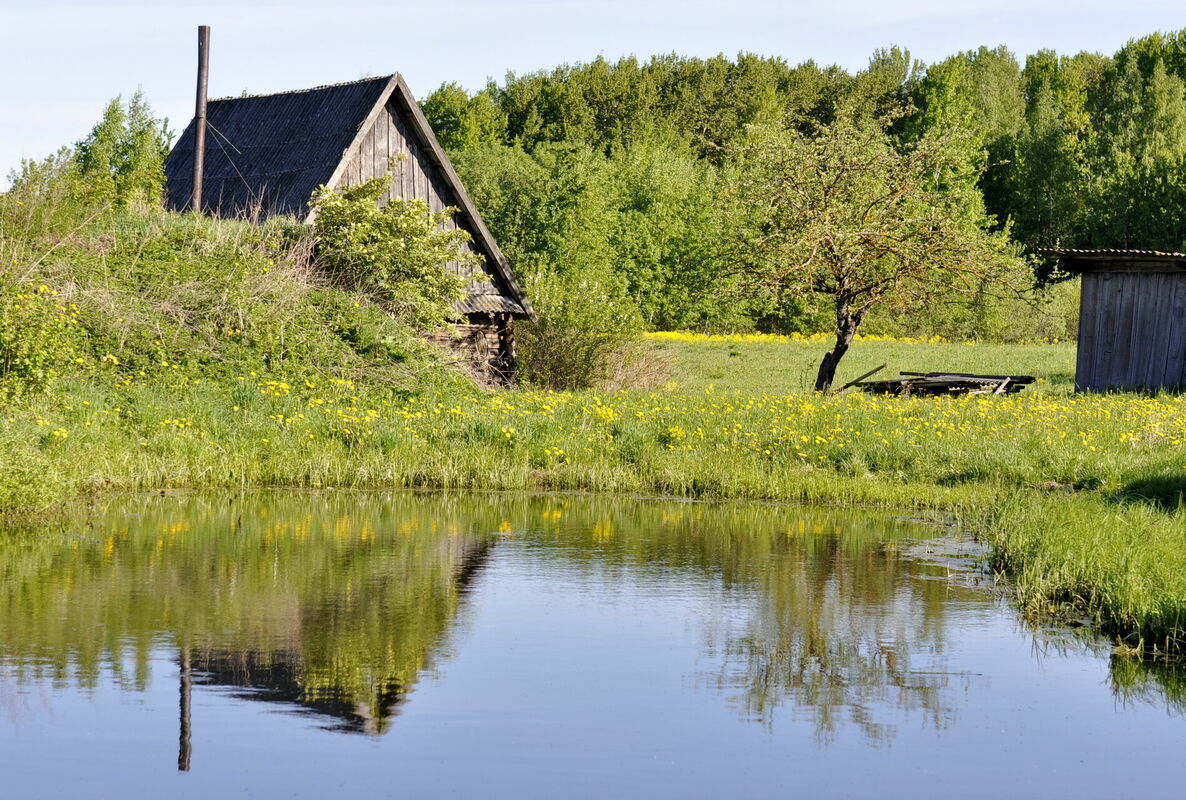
1132,318
267,154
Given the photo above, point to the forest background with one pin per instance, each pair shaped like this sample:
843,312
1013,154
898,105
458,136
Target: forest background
609,183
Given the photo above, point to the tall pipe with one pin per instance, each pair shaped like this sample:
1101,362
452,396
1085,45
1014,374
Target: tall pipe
200,115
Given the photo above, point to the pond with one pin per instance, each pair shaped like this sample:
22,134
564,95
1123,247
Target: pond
431,645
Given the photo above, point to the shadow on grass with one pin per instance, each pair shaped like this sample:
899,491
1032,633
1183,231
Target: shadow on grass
1164,492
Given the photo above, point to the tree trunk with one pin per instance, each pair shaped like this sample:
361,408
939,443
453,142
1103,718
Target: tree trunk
846,328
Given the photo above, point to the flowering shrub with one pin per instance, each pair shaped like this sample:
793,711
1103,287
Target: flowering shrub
398,253
35,338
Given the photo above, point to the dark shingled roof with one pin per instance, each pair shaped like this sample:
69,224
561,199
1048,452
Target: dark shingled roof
266,154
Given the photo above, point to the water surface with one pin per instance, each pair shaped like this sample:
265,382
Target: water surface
413,645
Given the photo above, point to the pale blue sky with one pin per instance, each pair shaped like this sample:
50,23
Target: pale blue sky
61,61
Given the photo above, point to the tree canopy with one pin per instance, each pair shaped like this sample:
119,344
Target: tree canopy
620,169
846,213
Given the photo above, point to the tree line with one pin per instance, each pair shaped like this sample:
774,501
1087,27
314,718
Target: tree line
614,183
746,193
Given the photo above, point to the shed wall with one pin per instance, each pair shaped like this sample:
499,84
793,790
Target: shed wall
1132,330
486,347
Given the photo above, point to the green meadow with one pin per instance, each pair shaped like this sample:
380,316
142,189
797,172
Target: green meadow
755,364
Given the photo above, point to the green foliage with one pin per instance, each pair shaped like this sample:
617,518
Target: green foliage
1073,150
1046,193
37,338
39,211
163,296
644,221
461,121
29,482
850,215
398,252
601,245
1100,157
122,161
665,237
584,335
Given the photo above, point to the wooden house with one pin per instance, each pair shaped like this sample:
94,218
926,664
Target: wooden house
1132,318
267,154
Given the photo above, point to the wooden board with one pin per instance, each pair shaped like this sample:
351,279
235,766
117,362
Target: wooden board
1175,336
1088,293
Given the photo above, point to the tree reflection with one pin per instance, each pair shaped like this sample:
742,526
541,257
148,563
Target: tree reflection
849,631
335,605
840,624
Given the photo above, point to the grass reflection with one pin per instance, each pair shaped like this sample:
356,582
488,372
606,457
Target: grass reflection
334,602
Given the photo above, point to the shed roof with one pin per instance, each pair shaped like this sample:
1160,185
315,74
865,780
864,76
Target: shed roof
266,154
1105,260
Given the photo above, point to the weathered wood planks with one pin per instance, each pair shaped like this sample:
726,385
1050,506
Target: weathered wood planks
1132,325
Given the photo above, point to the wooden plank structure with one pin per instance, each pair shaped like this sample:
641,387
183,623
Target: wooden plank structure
943,383
267,154
1132,318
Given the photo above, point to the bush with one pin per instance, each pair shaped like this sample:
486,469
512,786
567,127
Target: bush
396,253
36,338
586,335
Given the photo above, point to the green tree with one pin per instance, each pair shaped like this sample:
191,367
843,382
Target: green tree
1048,198
462,121
122,160
555,214
665,235
978,96
850,215
1139,184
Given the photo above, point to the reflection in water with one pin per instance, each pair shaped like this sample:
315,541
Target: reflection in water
335,605
1160,683
838,616
839,634
331,605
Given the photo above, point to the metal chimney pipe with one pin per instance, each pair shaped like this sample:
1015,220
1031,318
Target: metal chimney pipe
200,116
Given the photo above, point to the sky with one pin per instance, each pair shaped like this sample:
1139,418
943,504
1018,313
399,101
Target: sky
60,62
